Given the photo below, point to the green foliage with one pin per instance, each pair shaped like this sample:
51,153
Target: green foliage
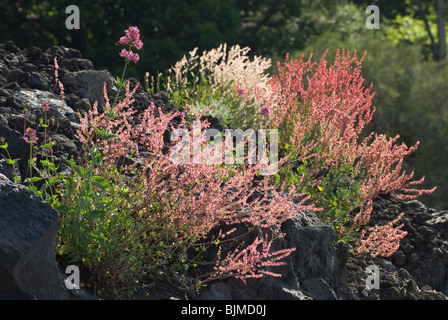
224,77
10,161
338,194
407,28
333,189
97,229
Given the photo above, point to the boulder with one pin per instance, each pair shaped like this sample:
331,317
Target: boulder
89,84
306,270
65,117
319,269
29,227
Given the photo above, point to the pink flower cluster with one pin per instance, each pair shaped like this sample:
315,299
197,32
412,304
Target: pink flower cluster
131,38
192,200
30,136
265,111
129,55
326,107
45,107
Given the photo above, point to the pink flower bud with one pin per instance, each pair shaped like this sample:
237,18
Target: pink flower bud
124,40
138,44
45,107
265,111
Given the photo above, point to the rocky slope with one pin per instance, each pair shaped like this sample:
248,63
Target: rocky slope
316,270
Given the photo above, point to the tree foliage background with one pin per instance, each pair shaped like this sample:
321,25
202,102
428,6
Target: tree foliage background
403,60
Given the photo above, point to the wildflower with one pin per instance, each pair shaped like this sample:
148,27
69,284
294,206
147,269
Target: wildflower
129,55
138,44
30,132
56,67
265,111
123,40
45,107
240,91
132,38
30,136
133,33
61,86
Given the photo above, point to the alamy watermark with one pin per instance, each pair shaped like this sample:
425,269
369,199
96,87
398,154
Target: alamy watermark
73,20
373,279
191,148
72,281
373,21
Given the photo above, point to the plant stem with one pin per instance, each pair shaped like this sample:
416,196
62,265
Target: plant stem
120,85
32,162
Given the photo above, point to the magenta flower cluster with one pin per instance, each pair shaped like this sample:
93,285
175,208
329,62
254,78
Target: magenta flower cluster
45,107
239,90
30,136
265,111
131,38
129,55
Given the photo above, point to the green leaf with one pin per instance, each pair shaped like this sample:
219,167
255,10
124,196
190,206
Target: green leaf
12,162
31,162
80,170
101,182
49,165
103,135
110,113
33,179
4,146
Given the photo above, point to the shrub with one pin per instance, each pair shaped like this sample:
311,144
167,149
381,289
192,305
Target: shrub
410,98
321,111
128,211
228,76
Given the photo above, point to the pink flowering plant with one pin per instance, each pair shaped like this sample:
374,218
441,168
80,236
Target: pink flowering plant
225,77
156,218
132,40
40,154
320,111
129,212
